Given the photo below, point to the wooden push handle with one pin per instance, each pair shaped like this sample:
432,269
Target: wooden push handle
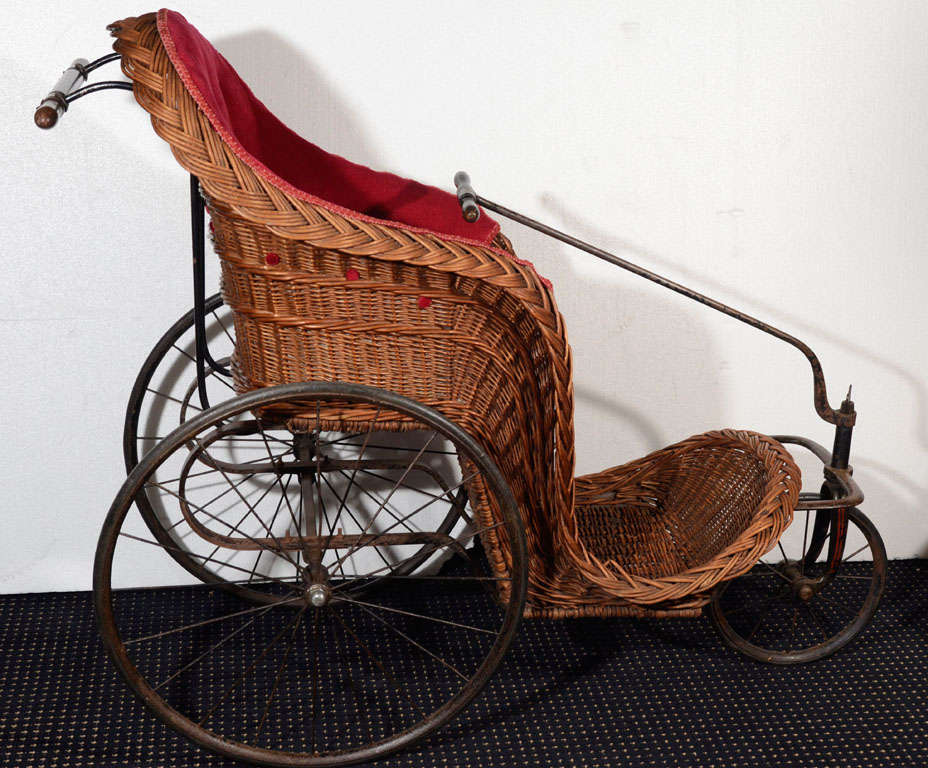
55,104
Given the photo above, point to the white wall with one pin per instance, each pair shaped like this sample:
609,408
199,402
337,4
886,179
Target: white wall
774,155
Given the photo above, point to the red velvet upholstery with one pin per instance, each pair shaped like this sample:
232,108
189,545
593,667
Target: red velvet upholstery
296,165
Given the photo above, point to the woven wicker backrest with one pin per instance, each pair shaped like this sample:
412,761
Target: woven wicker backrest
463,327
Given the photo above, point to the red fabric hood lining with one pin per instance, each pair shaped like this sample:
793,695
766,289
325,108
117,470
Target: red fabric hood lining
408,197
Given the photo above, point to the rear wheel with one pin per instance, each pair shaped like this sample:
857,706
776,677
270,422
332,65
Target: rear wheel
812,602
165,395
373,627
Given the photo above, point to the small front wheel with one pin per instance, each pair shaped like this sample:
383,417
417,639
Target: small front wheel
808,605
372,623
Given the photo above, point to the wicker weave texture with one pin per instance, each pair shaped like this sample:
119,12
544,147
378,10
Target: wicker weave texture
475,333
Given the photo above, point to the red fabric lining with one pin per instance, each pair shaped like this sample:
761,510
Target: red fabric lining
294,164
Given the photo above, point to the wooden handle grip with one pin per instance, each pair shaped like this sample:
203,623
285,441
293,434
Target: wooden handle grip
55,104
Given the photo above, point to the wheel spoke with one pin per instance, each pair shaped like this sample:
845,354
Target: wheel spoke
185,353
341,501
783,551
354,601
392,491
277,678
759,621
775,572
174,399
805,538
351,684
377,662
251,667
856,552
281,553
315,680
213,471
432,451
842,606
406,517
377,500
282,601
203,557
222,325
817,622
211,501
339,562
238,525
764,601
273,520
417,577
214,647
426,651
280,550
795,623
428,549
341,440
436,496
298,524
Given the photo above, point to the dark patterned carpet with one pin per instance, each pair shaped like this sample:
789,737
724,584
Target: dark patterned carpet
573,693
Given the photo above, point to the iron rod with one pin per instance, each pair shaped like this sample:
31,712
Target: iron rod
822,407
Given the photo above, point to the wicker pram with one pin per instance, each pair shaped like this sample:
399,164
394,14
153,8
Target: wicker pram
359,313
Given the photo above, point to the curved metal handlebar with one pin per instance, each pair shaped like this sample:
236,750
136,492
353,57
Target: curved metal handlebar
65,90
845,417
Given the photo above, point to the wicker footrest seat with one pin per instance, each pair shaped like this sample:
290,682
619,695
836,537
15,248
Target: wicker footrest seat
654,536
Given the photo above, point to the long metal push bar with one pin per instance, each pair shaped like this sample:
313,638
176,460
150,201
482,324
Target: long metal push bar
470,200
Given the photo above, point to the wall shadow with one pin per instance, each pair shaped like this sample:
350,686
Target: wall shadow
645,343
773,313
303,99
638,353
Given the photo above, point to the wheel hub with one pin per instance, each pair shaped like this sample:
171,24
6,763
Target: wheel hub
803,587
318,595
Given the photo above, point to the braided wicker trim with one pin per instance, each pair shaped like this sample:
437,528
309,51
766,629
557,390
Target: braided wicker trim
262,170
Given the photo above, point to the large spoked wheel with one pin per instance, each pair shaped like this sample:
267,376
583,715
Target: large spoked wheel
165,395
351,654
811,603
